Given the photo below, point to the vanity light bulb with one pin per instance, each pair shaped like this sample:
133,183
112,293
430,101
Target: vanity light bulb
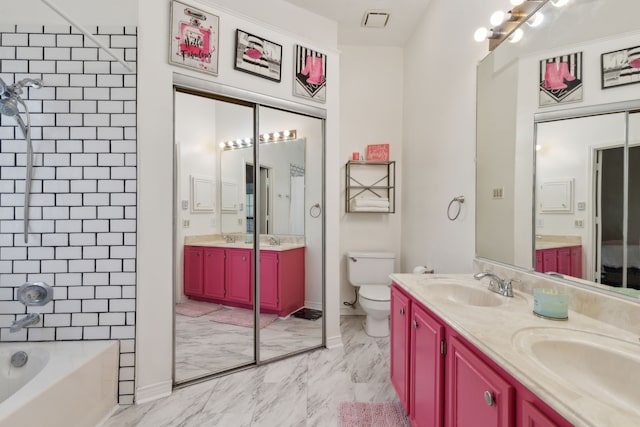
222,144
516,36
536,19
538,147
276,135
481,34
287,133
517,2
497,18
559,3
247,140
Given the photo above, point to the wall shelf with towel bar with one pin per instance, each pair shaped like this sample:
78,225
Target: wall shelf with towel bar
370,186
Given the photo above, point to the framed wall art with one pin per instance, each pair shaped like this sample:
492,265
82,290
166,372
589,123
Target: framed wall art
258,56
620,67
310,74
561,80
194,38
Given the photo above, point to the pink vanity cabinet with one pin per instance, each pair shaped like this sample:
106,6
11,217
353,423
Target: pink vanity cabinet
448,382
564,260
225,276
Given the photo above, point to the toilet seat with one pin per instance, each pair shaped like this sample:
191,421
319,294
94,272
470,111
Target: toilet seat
375,293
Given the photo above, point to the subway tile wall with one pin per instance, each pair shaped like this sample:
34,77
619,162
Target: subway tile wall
83,208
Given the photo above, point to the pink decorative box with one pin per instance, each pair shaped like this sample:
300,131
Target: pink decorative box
378,152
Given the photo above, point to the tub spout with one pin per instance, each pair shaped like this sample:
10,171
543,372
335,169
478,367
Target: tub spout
23,322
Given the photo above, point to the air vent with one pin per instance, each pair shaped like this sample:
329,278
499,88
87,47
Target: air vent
375,19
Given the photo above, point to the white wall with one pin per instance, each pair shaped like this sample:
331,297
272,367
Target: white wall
85,12
155,137
439,134
371,112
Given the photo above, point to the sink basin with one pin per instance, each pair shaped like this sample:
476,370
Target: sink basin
464,294
604,368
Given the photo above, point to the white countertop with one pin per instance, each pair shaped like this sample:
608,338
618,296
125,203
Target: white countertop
241,245
491,330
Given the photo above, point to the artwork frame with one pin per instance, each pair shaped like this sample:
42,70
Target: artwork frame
620,67
309,74
258,56
194,38
560,80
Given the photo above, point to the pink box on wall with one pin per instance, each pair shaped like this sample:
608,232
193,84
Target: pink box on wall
378,152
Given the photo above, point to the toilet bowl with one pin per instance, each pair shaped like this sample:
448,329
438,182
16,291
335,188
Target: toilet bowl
369,271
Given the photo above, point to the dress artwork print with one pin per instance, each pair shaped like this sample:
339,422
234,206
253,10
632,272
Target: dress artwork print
194,38
561,79
310,71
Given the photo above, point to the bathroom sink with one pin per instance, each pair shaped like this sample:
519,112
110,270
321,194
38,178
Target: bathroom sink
464,294
604,368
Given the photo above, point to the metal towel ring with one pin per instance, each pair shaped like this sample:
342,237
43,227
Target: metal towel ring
315,211
460,201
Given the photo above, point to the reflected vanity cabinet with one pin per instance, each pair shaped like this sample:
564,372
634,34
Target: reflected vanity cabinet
564,260
443,380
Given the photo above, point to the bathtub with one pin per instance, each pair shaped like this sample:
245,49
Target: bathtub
62,383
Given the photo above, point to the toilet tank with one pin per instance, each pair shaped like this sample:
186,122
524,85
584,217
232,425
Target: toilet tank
370,268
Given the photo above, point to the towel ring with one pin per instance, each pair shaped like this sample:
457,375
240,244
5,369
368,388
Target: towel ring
315,211
459,200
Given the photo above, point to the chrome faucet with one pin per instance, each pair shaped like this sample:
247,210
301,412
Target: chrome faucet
496,284
273,240
229,239
23,322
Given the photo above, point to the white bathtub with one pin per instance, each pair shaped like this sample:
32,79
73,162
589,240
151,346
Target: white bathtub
62,384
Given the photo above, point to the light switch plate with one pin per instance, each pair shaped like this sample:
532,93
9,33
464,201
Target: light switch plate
185,205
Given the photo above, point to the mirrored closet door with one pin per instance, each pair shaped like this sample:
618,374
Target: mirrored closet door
249,233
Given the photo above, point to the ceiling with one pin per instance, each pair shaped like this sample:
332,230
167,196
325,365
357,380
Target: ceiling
405,14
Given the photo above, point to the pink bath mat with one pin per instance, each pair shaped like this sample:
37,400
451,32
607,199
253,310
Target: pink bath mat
363,414
242,317
196,308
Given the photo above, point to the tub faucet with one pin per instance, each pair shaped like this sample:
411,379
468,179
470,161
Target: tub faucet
496,284
23,322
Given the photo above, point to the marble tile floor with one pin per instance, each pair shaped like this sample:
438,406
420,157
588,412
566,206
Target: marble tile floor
204,347
302,391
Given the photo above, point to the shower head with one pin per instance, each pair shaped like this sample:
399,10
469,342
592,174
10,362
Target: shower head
9,107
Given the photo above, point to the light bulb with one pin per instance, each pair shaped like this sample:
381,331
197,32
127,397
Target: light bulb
497,18
538,147
480,34
517,2
559,3
536,19
222,145
516,36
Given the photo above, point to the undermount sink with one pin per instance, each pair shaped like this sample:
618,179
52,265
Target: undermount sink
604,368
464,294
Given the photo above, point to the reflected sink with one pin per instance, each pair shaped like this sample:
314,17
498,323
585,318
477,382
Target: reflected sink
463,294
605,368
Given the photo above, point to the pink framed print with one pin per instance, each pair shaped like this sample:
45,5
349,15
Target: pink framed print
310,74
194,38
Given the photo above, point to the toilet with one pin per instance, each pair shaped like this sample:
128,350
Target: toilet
369,271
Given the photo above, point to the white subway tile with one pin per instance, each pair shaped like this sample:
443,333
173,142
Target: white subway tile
84,186
128,347
109,292
122,332
68,253
70,40
96,67
53,266
95,226
57,53
124,252
97,332
96,199
110,133
41,334
130,107
34,239
96,279
68,172
29,53
123,278
83,80
97,93
74,119
68,279
110,239
42,66
83,212
58,319
7,335
5,267
82,239
60,292
67,306
96,146
69,146
95,252
34,106
12,280
41,226
55,106
116,305
111,107
110,212
81,265
55,186
95,305
13,253
107,265
48,40
112,319
81,292
83,133
104,56
123,199
104,39
67,226
130,80
43,120
123,41
128,291
40,253
96,173
8,307
130,239
108,80
15,39
106,159
84,319
111,186
71,93
84,54
124,225
84,106
130,133
47,308
64,334
124,387
117,68
26,267
68,199
85,159
123,120
126,374
57,29
14,66
55,133
69,67
124,94
6,320
96,120
131,318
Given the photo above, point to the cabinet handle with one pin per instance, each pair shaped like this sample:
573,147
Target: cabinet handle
488,397
414,324
402,311
244,258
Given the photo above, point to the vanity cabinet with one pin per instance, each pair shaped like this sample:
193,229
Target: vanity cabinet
282,280
192,279
449,382
238,275
563,260
213,280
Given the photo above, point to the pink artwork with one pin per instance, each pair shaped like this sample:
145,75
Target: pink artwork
194,38
378,152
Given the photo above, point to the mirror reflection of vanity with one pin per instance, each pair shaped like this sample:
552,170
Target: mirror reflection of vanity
556,184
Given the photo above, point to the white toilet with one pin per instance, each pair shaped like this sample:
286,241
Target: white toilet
370,272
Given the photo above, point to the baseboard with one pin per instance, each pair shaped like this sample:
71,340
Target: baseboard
153,392
313,304
334,342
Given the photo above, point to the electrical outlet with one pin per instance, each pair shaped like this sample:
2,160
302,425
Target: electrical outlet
185,205
582,206
579,223
186,223
498,193
539,222
239,221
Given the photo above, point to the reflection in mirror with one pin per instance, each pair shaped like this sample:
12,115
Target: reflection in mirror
214,310
510,228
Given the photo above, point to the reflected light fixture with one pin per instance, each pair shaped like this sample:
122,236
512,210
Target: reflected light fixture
516,36
535,20
265,138
516,2
559,3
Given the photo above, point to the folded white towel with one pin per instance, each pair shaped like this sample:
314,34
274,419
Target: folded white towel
370,202
368,209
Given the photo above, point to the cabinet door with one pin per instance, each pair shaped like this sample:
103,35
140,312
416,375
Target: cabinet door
534,417
539,263
213,273
576,261
269,297
476,394
238,275
399,345
564,261
192,277
549,260
426,383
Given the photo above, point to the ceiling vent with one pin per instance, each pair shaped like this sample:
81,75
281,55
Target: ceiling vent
375,19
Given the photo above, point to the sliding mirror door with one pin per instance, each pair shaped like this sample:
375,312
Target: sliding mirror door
290,245
214,317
